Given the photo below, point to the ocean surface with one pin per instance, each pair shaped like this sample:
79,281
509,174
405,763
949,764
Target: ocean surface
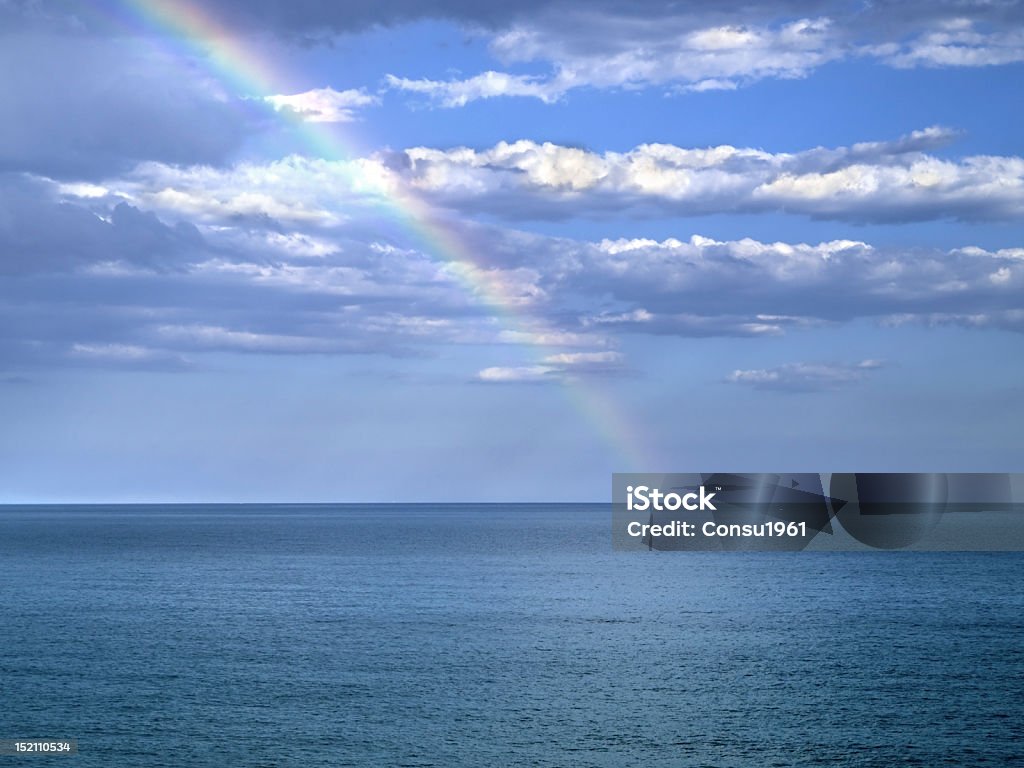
490,635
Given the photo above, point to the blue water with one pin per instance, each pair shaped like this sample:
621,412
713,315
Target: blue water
490,636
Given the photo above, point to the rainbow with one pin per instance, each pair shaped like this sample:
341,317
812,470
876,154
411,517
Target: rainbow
240,66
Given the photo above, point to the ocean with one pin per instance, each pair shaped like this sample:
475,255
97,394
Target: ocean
490,635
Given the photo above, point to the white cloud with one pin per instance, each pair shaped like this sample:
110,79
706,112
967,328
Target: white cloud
120,283
298,244
957,42
1003,253
296,189
682,49
676,263
869,181
487,85
804,376
126,356
216,337
877,181
549,337
555,367
129,352
711,84
690,324
706,287
641,53
1007,319
83,189
1001,275
584,358
520,374
323,105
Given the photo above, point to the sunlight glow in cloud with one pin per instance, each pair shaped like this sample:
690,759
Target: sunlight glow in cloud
324,105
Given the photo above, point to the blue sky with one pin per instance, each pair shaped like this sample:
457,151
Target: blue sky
399,251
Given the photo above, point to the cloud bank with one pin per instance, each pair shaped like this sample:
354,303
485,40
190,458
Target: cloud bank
99,280
880,181
873,181
682,48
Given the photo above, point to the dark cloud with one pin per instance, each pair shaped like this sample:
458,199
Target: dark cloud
103,283
41,234
82,107
302,19
899,15
313,18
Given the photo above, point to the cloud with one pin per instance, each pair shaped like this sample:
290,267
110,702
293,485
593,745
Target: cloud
92,279
958,42
584,359
216,337
672,51
802,377
678,46
40,234
531,374
555,367
76,108
301,21
1005,319
127,356
786,286
323,105
879,181
693,325
642,53
295,189
317,222
870,181
552,338
487,85
309,17
686,48
711,84
648,40
311,21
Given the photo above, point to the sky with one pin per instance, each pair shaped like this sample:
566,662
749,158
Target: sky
309,251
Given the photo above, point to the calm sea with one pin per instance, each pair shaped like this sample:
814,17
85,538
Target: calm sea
490,635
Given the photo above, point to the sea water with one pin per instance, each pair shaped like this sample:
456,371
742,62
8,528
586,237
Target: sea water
490,635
